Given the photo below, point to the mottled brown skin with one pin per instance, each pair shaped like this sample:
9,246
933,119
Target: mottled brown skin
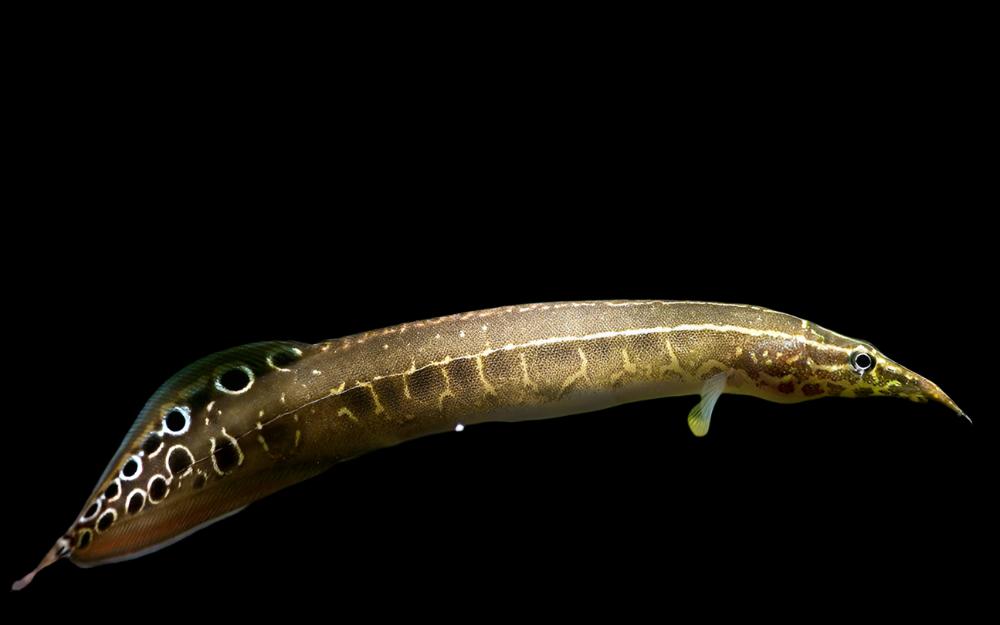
345,397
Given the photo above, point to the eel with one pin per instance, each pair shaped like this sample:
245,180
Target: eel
243,423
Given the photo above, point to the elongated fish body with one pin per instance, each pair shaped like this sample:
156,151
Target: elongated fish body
244,423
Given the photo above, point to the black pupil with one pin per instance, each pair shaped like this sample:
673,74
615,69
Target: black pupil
863,361
234,380
130,468
175,421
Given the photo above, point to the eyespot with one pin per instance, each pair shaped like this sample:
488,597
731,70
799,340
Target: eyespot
136,500
113,491
235,381
177,421
83,541
91,512
153,442
157,488
862,361
179,460
281,360
132,469
106,520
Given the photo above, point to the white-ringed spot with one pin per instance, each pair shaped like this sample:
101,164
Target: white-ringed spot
110,516
177,421
132,469
83,538
235,381
91,513
226,453
113,491
157,488
279,361
179,461
136,501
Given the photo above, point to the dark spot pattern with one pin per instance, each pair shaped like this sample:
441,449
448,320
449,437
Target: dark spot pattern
283,359
234,380
153,442
135,501
834,389
175,420
91,511
84,541
179,459
811,390
226,455
131,468
106,520
157,489
112,490
787,387
280,437
863,392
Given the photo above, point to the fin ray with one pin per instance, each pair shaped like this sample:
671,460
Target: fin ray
700,417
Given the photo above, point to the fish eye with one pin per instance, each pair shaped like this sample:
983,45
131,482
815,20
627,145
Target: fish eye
862,361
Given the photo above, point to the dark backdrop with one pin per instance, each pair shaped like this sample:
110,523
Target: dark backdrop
173,222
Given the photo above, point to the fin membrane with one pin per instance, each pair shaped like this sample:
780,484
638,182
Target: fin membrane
700,416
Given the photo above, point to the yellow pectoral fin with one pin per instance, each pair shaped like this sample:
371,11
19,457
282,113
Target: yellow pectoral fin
700,416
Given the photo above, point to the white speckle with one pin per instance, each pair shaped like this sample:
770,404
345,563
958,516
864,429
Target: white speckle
260,426
485,327
385,346
208,408
260,414
206,421
459,427
317,372
282,398
462,334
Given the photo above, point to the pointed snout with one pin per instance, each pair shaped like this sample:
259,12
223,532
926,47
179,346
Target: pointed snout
932,391
902,382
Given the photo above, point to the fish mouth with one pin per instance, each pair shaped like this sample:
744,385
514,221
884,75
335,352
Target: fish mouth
932,391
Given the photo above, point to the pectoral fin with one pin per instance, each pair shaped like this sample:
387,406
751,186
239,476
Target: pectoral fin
701,415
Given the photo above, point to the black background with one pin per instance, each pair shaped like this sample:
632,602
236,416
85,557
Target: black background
169,214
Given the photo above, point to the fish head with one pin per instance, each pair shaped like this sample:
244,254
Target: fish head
849,367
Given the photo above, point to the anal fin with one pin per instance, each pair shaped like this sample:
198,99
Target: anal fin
700,416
